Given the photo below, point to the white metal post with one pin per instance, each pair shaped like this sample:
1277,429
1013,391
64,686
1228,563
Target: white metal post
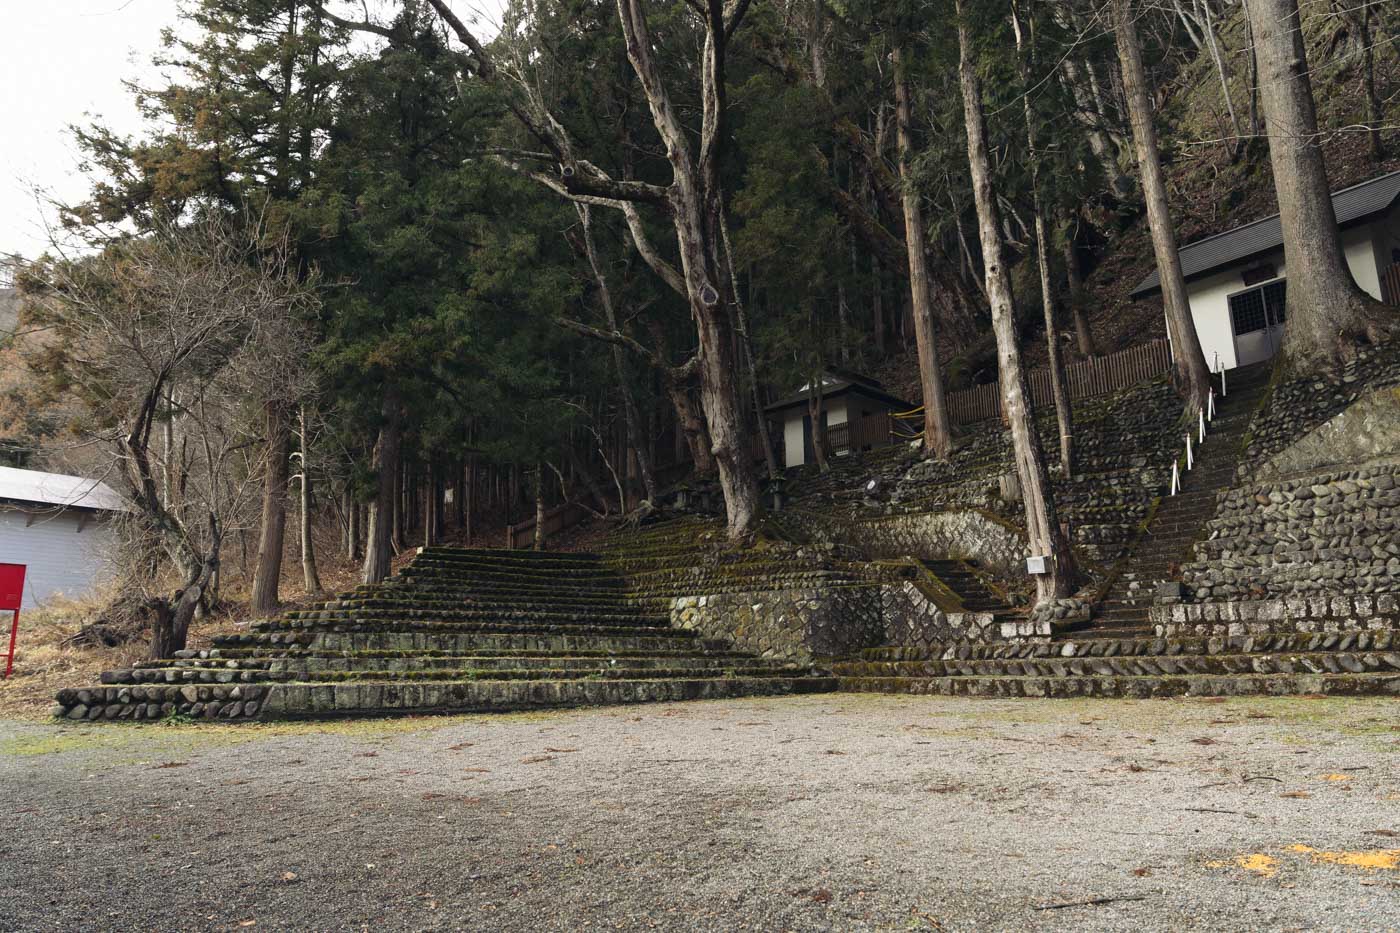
1190,461
1201,418
1176,478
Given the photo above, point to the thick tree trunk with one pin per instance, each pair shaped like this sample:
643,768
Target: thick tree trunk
1059,389
267,575
379,545
1190,374
938,437
692,424
1328,313
310,577
170,624
1044,534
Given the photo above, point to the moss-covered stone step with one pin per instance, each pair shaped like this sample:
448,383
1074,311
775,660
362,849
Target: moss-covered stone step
292,652
1337,662
444,614
508,556
153,671
436,627
172,675
294,701
464,642
1138,687
1071,647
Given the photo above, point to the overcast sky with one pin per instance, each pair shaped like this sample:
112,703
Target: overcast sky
63,62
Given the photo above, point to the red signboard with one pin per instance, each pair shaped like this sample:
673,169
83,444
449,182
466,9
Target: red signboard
11,596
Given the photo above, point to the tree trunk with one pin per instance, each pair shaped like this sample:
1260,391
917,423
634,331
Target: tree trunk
629,404
815,410
692,425
379,543
741,321
1375,111
1083,336
352,532
1059,390
170,625
267,575
430,530
1190,374
1044,534
1327,311
310,577
539,506
1223,70
938,437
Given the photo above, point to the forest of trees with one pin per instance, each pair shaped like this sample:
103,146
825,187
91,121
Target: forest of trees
393,269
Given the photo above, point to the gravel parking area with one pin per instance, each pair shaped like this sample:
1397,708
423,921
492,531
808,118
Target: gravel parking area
825,812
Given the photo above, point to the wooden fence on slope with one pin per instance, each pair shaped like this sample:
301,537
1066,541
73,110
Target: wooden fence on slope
1098,375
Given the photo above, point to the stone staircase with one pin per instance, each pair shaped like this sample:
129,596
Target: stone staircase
456,630
1180,520
971,588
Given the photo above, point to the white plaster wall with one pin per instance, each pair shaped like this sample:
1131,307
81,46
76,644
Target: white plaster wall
1210,296
792,438
59,559
1359,245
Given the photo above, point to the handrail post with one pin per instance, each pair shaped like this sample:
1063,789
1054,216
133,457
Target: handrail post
1176,478
1190,462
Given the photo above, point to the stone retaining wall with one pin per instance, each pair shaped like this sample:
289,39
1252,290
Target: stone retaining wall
1304,615
840,621
1329,533
968,534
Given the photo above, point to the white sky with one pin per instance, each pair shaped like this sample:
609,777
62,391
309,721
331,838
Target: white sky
62,62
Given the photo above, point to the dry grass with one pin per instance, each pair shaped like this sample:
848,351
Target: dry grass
44,663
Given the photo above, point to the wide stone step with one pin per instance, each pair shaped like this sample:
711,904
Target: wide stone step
296,701
289,701
283,674
1138,687
1085,644
509,556
367,661
1132,666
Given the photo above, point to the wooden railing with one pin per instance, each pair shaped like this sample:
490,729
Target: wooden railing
1098,375
1390,285
557,519
864,433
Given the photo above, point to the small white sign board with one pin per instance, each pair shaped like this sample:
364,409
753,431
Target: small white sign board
1035,565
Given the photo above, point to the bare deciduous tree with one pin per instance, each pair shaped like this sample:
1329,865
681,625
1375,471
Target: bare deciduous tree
180,326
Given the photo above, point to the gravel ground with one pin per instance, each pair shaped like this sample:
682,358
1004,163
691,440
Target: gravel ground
812,813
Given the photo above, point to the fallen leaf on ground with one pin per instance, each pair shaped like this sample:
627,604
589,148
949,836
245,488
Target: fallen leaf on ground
172,764
535,759
1297,794
459,746
289,876
1336,777
1203,741
561,750
1142,872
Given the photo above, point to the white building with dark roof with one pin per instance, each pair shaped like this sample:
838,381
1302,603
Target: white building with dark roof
1236,281
59,527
